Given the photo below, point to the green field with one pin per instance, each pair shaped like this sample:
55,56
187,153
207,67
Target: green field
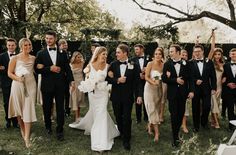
205,142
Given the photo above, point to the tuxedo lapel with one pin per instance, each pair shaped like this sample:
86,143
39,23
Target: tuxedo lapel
48,57
197,69
173,68
58,58
204,67
7,57
118,69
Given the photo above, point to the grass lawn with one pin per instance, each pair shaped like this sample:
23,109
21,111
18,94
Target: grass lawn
205,142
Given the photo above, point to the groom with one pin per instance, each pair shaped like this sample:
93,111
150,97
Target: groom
124,77
55,70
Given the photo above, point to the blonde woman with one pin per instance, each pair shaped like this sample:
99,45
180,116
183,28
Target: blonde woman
23,91
76,96
97,121
153,91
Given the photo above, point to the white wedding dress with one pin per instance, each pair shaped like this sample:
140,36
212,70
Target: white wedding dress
97,122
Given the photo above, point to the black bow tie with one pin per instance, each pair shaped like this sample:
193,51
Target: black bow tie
232,64
12,54
124,63
141,57
199,61
176,62
52,49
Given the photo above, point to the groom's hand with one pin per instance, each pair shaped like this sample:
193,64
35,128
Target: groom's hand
139,100
55,69
121,79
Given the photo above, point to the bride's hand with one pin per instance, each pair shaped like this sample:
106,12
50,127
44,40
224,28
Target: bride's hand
110,74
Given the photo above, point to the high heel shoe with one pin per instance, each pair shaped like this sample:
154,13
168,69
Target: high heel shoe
156,138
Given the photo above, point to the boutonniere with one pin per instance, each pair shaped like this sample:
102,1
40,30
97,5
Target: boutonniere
61,51
131,65
184,62
207,60
147,58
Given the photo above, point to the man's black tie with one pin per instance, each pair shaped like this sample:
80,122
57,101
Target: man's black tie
12,54
232,64
52,49
124,63
141,57
176,62
199,61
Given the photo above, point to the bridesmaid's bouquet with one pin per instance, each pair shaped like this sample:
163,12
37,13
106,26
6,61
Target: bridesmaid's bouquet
21,71
156,75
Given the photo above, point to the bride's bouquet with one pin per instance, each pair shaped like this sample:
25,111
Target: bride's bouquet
21,71
89,84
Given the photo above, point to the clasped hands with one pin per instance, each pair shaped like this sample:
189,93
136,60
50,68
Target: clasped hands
53,68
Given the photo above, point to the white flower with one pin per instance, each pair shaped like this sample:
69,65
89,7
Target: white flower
130,66
207,59
184,62
21,71
87,86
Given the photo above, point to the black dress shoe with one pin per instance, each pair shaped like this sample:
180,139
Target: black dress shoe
195,130
175,144
8,124
60,136
126,146
49,131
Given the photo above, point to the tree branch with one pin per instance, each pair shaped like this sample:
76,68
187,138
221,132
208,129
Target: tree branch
232,10
168,6
231,23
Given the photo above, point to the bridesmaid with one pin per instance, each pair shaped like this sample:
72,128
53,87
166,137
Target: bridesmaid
23,90
216,54
184,56
153,91
76,96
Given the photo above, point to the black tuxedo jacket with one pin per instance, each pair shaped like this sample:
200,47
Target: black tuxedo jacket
124,92
136,61
173,88
50,80
208,76
229,79
5,80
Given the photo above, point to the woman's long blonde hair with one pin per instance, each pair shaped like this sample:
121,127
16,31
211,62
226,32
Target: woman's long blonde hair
74,55
22,41
97,52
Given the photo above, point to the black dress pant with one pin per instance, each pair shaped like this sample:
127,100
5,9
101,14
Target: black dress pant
204,106
67,98
122,111
139,108
6,95
177,110
47,106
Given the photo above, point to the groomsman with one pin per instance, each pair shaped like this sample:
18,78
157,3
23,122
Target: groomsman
177,76
141,60
204,77
230,86
5,80
55,70
63,46
123,74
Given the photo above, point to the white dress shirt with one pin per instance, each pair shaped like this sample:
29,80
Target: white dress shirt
200,67
141,62
53,55
177,67
123,68
233,68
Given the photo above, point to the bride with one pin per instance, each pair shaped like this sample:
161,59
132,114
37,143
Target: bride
97,122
